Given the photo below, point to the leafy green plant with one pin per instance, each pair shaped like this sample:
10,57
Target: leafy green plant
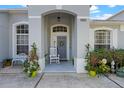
96,60
102,67
119,58
7,62
31,66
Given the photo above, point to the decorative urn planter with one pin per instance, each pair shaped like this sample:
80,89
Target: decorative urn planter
92,73
34,74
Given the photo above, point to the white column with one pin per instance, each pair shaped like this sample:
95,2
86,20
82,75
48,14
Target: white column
114,38
91,38
36,34
82,40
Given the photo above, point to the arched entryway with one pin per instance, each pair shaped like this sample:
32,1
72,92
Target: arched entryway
59,29
60,39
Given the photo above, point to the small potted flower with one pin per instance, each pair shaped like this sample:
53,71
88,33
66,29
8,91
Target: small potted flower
31,66
7,62
92,72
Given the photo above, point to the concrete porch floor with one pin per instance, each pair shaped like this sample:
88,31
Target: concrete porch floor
13,70
64,66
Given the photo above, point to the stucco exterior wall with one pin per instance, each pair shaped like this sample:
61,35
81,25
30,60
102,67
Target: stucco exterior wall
81,36
120,39
82,39
4,36
50,20
35,10
13,19
42,17
80,10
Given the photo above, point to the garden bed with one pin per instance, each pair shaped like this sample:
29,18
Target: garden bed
102,60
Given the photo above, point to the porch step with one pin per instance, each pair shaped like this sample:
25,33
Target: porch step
62,67
59,71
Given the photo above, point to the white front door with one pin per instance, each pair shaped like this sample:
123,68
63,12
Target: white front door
60,39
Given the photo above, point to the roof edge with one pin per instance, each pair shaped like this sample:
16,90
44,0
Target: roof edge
118,22
13,9
115,15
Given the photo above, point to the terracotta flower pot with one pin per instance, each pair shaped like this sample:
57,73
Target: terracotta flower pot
92,73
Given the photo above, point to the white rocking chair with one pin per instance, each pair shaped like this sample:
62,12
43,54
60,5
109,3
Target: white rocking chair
54,57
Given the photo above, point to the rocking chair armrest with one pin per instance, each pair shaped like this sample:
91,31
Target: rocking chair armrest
50,55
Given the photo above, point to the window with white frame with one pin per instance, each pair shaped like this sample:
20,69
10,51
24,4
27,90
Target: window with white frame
22,38
59,29
102,39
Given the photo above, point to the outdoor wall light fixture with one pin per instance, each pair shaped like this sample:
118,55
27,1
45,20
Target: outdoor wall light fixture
58,18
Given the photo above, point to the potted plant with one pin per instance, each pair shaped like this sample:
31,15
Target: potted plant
91,65
31,66
92,71
7,62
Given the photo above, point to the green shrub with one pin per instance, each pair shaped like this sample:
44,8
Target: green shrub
31,65
95,60
119,58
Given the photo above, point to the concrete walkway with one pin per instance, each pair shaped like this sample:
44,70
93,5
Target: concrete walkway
59,80
18,81
116,79
73,80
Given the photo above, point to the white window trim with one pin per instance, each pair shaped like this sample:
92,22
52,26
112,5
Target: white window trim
14,36
112,38
106,32
61,34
